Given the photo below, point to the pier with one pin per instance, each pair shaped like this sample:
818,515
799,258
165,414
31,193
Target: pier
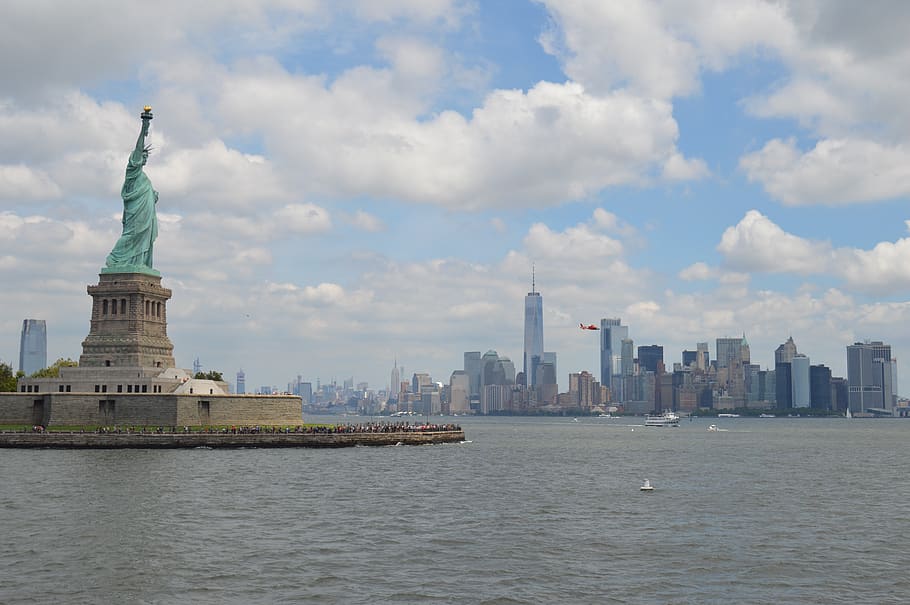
226,439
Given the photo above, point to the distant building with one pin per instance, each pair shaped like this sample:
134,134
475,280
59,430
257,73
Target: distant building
459,393
612,333
785,352
871,378
306,392
241,382
473,367
729,351
799,381
820,387
33,346
419,382
689,358
394,382
703,357
783,385
581,389
533,342
651,358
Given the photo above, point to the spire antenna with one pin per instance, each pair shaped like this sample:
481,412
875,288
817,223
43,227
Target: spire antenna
532,279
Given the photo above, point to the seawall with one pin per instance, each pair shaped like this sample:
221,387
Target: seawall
222,440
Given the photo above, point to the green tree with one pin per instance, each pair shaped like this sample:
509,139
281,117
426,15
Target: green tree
7,378
213,375
53,371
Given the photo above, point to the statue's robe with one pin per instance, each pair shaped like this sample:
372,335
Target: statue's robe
140,223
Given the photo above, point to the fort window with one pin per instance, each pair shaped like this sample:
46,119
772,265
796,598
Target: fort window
69,388
97,388
136,389
119,388
107,363
203,408
60,388
104,388
129,388
145,388
23,388
36,388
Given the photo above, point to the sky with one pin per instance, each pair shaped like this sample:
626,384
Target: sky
347,183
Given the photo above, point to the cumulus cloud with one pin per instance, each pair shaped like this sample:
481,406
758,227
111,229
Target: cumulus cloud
20,182
580,244
550,144
833,172
758,244
365,221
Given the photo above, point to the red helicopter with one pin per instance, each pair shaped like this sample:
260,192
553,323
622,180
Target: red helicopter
588,327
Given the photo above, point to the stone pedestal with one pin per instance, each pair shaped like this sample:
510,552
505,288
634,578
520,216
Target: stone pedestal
129,323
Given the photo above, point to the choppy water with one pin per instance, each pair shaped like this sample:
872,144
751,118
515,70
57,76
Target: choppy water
530,511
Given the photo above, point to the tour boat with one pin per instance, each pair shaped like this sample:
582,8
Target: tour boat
665,419
647,487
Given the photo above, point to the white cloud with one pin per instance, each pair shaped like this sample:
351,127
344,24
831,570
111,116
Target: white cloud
758,244
579,244
20,182
365,222
679,168
448,12
834,172
550,144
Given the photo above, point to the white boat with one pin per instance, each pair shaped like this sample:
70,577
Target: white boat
665,419
713,427
728,415
647,487
849,414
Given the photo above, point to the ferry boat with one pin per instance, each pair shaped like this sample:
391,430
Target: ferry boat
665,419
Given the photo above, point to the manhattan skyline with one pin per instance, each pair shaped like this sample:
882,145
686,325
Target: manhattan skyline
344,184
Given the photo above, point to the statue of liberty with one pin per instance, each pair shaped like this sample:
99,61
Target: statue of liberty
133,251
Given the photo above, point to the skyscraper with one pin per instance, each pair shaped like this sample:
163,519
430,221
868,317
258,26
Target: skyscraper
651,358
799,381
729,351
33,346
612,333
533,350
871,378
785,352
394,382
241,382
473,367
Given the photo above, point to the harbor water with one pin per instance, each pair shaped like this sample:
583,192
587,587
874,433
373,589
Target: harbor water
528,510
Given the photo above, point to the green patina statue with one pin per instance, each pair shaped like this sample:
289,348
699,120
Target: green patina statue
133,251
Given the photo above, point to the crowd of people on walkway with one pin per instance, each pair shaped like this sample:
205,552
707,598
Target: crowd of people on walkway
321,429
315,429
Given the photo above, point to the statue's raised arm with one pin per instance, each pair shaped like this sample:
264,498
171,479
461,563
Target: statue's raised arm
133,251
137,154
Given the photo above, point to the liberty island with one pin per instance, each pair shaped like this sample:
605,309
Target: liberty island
127,375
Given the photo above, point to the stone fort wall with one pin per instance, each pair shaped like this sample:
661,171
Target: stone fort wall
107,409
